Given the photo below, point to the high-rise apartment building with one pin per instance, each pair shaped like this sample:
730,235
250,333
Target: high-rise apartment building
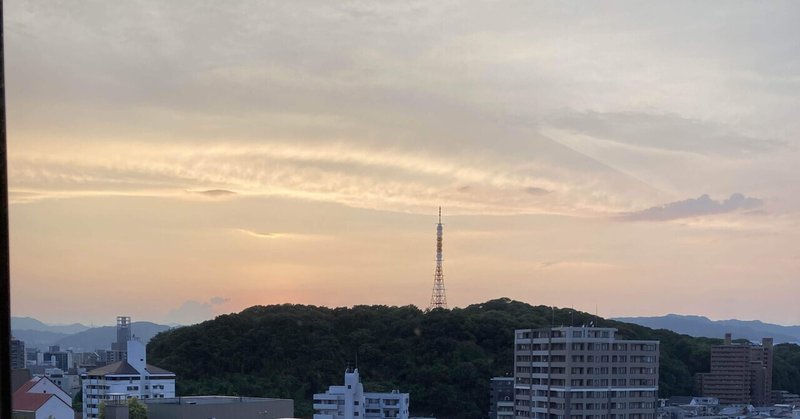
584,373
740,373
17,354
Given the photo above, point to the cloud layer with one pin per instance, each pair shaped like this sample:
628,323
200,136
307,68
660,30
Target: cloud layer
695,207
192,311
296,149
393,179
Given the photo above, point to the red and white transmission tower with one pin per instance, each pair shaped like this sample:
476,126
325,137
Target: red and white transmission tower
438,299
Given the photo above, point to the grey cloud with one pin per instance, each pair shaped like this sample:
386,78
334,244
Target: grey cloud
216,193
694,207
536,191
665,131
190,312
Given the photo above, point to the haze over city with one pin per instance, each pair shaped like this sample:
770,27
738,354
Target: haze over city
172,161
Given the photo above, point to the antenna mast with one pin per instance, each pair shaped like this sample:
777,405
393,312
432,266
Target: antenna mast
438,298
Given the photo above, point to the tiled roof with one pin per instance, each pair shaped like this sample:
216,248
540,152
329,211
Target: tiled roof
29,402
124,368
159,371
24,401
28,385
117,368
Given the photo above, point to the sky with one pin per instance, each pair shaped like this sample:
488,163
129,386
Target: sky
173,161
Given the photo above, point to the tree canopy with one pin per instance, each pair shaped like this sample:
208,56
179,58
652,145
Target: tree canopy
444,358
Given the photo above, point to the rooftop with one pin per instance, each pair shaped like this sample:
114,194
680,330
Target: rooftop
29,402
124,368
209,400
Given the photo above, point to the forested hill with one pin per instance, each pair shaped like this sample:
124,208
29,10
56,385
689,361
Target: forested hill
444,358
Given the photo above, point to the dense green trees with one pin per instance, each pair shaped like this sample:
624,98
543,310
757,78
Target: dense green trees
786,371
444,358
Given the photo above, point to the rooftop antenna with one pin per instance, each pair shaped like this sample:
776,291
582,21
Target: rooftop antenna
438,298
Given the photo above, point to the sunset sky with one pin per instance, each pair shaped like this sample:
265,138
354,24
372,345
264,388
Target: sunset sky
174,160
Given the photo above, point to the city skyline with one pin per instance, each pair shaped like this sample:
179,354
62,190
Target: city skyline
175,161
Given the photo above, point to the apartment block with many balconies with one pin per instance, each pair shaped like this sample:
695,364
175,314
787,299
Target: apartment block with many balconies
584,373
741,373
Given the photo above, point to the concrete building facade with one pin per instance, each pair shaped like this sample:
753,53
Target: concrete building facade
740,373
219,407
584,373
351,402
57,358
17,354
129,378
69,382
501,398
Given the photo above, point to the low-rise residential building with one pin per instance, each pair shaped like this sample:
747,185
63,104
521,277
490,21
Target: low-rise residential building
40,398
219,407
351,402
69,382
785,397
132,378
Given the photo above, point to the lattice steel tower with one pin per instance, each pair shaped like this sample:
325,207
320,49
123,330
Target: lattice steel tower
438,299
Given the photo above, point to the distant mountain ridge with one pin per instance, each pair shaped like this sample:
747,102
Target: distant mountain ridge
37,338
77,336
101,337
699,326
29,323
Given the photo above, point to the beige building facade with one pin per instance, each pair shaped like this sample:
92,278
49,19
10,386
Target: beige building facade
584,373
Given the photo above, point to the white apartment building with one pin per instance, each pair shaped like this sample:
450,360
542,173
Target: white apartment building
351,402
126,379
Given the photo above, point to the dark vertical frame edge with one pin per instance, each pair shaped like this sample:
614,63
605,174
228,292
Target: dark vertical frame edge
5,283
